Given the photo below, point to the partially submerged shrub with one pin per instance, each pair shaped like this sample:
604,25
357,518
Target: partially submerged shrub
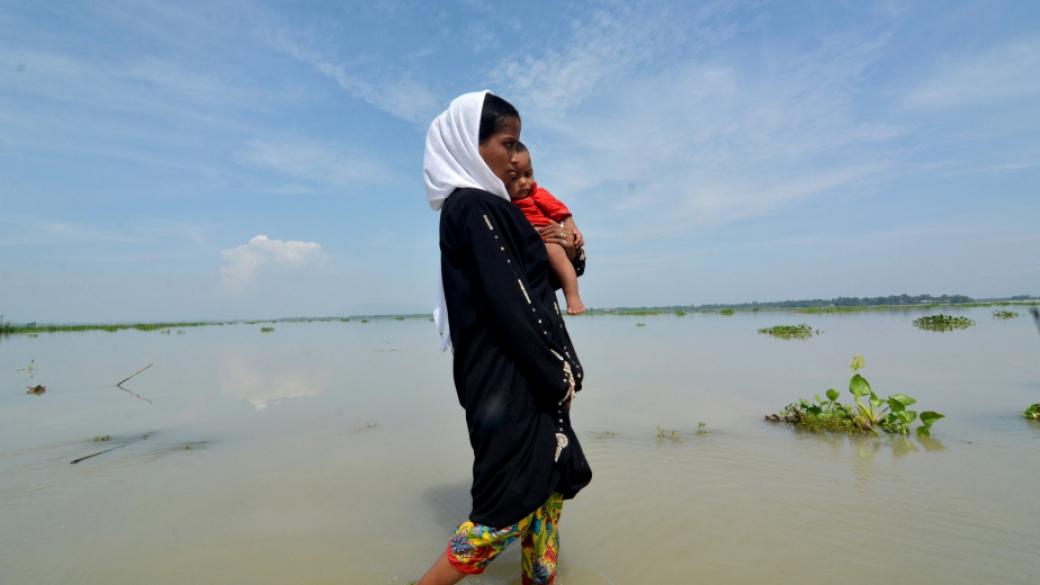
942,322
1033,412
868,413
802,331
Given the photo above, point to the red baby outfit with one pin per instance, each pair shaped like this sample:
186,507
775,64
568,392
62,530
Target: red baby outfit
541,208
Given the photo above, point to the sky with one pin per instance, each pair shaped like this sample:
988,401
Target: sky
182,160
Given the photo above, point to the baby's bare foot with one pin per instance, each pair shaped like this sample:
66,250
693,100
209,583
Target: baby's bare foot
574,305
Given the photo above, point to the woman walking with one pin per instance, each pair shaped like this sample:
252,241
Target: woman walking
515,368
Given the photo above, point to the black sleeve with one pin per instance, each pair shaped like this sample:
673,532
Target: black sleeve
523,325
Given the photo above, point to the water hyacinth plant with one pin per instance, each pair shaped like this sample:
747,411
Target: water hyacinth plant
868,413
802,331
1033,412
1004,314
942,322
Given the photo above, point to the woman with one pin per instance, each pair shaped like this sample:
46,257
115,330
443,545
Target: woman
514,366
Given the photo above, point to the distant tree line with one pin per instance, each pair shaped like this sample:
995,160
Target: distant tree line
903,299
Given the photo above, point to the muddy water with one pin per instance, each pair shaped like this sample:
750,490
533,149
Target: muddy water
336,453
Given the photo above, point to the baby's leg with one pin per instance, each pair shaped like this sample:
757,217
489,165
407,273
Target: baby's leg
564,270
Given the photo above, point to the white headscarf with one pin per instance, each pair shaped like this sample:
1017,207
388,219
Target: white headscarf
452,160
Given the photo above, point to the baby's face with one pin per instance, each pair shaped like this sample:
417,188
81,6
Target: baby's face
520,186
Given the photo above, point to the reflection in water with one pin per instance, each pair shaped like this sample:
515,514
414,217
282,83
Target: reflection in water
263,383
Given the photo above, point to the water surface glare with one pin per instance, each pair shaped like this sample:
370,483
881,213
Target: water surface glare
333,452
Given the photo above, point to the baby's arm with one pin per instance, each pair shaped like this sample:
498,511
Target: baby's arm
555,209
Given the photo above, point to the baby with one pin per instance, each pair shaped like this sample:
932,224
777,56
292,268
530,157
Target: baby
542,209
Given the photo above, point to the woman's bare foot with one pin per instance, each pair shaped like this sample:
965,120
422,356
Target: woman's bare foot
574,305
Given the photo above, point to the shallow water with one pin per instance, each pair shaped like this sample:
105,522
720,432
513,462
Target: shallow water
336,453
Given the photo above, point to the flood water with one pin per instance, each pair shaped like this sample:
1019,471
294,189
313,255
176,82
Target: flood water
333,452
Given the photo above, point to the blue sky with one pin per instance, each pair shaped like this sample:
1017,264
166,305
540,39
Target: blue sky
180,161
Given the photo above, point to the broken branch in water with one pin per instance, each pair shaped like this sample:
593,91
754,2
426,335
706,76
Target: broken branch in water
102,452
131,392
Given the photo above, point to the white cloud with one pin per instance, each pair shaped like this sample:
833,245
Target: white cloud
1008,71
310,160
240,265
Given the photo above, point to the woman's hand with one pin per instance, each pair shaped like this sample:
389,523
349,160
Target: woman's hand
579,240
558,233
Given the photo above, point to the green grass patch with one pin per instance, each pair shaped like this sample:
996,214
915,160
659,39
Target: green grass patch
942,322
801,331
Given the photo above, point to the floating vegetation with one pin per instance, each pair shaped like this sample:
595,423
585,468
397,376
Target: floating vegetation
36,390
867,414
670,434
266,329
942,322
398,317
640,324
1004,314
702,428
345,319
102,438
30,368
680,313
364,320
726,312
603,434
801,331
1033,412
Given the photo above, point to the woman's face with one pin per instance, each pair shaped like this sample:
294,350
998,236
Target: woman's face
499,150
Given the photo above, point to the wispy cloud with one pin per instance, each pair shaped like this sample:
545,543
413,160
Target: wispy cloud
1004,72
700,138
321,163
397,93
240,265
605,46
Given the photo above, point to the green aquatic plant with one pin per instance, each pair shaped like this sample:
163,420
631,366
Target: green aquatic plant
942,322
1004,314
1033,412
266,329
726,312
364,320
640,324
680,313
801,331
868,412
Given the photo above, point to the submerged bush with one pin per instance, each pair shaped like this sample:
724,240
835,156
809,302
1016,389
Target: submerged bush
942,322
868,412
802,331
